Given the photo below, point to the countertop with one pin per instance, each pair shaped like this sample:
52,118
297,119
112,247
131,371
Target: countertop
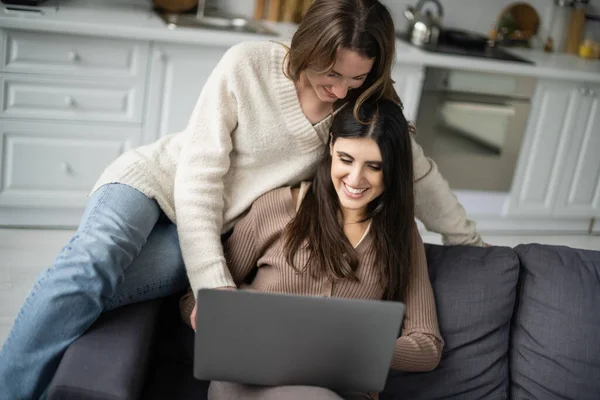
546,65
134,19
122,19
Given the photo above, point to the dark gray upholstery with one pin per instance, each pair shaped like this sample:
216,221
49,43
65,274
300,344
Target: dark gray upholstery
475,292
171,371
556,336
555,344
110,360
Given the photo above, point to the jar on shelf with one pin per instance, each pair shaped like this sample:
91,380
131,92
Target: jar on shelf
576,26
561,14
590,46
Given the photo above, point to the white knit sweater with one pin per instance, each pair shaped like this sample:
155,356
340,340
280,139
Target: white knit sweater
247,135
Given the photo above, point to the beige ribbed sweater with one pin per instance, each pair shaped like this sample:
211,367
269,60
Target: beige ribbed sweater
248,135
256,241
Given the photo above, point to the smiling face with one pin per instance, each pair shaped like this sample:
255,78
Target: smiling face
356,174
349,72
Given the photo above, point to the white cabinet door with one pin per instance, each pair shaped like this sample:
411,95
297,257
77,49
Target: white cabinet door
48,169
177,76
579,190
39,97
408,83
558,172
33,52
549,132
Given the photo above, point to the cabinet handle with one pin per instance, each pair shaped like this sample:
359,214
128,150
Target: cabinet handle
160,56
73,56
70,101
592,93
584,91
66,167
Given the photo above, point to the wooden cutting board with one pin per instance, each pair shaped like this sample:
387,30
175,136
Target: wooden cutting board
281,10
175,6
290,11
259,9
274,10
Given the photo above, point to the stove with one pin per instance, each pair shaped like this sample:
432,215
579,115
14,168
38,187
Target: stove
446,46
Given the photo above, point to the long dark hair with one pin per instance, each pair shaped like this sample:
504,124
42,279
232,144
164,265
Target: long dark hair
363,26
317,228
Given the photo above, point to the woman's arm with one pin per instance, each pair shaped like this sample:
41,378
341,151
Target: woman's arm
241,254
202,165
437,207
420,346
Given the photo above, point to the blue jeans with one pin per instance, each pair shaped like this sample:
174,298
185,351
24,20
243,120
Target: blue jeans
119,255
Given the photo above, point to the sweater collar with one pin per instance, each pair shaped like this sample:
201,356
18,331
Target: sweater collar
310,137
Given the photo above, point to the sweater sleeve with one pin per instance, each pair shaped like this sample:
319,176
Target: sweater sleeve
241,253
437,207
420,346
202,165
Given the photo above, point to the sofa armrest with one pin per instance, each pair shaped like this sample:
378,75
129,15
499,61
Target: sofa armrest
110,360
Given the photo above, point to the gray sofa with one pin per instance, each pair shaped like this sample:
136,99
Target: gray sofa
520,323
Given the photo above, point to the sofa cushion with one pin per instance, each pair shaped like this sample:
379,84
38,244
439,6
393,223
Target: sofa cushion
474,290
555,352
109,361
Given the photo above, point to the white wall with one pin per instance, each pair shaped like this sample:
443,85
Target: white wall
477,15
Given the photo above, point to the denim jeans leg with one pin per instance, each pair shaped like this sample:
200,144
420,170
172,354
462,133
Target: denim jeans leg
69,296
158,271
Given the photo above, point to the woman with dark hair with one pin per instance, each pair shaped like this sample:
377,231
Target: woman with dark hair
349,233
156,215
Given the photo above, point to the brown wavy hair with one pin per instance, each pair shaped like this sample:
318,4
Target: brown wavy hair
317,228
363,26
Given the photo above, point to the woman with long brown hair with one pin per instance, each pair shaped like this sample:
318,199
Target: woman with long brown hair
348,233
156,215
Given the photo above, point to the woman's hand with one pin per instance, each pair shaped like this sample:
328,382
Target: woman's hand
193,314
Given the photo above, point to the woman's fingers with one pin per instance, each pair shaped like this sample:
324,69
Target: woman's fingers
193,317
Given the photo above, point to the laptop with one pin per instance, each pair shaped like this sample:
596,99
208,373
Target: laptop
278,339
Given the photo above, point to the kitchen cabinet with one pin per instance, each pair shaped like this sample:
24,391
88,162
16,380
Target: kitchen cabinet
42,97
408,81
59,54
177,75
48,169
72,103
579,190
558,172
69,105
